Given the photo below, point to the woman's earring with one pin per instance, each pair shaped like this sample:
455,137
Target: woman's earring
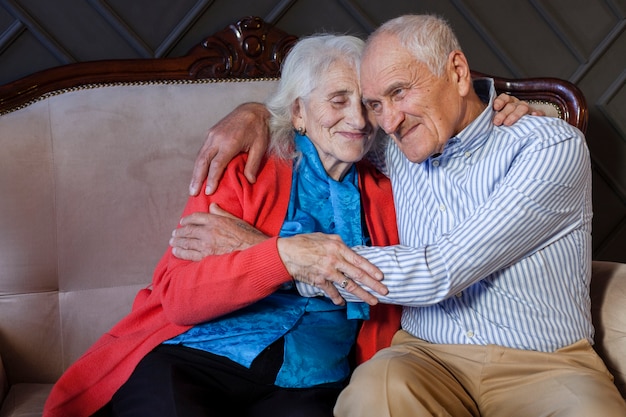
301,131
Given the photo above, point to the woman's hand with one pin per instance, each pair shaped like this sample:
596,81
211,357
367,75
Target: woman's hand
317,259
213,233
325,262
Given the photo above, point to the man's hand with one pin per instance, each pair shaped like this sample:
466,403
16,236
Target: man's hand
213,233
325,261
510,109
245,129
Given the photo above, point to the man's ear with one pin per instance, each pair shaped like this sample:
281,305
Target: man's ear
459,72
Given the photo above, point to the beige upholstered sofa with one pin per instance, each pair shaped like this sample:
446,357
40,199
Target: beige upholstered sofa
94,168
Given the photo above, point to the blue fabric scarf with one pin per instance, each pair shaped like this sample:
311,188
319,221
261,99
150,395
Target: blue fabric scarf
321,204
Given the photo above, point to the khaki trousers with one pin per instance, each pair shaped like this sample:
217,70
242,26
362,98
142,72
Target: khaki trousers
416,378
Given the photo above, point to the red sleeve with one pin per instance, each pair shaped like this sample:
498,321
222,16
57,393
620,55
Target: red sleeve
193,292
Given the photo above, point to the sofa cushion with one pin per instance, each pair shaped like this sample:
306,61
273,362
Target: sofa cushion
25,400
608,305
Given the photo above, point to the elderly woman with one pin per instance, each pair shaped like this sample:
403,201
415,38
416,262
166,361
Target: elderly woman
230,335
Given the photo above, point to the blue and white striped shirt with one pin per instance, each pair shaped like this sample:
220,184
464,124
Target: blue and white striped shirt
495,236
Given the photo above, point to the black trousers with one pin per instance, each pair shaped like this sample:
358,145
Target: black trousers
181,382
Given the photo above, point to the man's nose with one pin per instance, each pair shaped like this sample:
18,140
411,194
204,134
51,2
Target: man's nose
390,119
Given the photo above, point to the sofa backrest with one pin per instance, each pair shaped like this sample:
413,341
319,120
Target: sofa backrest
93,181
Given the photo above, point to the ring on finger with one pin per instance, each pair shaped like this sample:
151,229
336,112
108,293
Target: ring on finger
344,283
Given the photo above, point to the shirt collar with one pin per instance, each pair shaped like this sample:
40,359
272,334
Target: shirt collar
477,132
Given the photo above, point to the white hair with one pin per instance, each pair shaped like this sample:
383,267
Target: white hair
302,71
430,39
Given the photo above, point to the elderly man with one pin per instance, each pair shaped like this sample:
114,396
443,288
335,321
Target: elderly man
494,264
498,224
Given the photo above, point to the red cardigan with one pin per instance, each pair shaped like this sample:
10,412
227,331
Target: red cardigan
185,293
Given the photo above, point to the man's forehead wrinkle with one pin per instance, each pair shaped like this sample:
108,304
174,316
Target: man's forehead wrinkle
394,76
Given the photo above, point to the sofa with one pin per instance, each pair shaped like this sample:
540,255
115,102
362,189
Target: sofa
94,171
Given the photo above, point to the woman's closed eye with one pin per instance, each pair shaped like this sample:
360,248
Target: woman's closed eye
339,101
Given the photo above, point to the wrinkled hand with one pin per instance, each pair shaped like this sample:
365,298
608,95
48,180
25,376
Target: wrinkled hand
245,129
325,261
510,109
213,233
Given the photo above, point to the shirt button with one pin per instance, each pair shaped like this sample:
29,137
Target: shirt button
435,163
442,207
468,154
470,334
459,294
